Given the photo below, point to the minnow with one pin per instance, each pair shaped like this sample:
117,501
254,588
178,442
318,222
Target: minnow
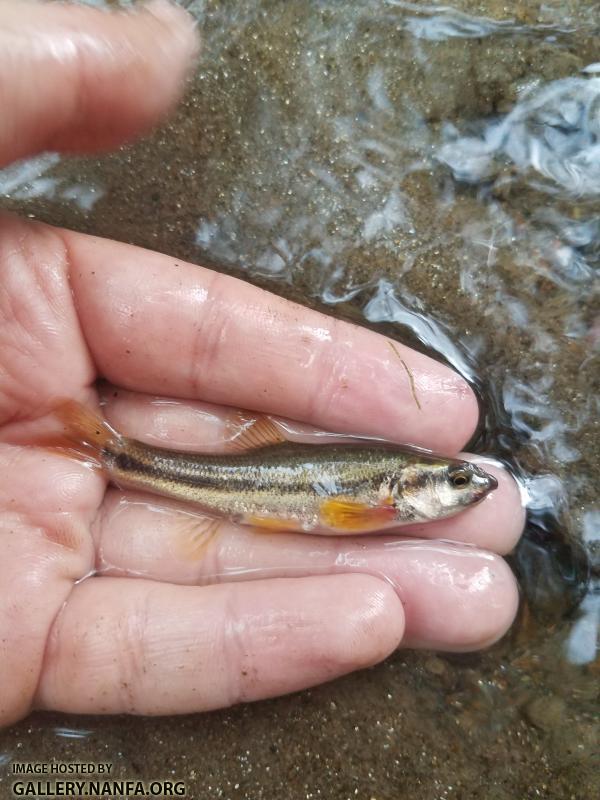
344,488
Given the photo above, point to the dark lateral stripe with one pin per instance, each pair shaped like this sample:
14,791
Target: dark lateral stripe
128,463
153,467
296,473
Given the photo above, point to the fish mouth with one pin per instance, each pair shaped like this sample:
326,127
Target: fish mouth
492,483
483,482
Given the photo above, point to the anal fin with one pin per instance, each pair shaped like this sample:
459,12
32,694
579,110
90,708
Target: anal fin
194,536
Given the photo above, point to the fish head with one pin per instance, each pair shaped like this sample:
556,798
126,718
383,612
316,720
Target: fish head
438,489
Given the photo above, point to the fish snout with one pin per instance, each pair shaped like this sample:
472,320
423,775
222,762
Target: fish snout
483,482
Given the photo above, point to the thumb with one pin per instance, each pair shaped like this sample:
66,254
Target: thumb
80,79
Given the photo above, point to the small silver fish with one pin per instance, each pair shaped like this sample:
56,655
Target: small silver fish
348,488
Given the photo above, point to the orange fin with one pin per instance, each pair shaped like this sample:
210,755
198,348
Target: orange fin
65,447
84,427
272,524
84,436
195,534
344,514
259,432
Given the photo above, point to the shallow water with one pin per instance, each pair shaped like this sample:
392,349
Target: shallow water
433,172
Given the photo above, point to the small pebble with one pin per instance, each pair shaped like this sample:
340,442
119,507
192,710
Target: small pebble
545,713
435,666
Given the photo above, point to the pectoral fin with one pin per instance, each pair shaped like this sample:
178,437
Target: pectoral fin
346,515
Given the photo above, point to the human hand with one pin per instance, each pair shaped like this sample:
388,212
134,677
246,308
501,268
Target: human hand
100,612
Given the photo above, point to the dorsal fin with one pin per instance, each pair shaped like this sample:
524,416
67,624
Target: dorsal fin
255,433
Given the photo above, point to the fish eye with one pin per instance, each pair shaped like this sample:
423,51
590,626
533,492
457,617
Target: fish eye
460,478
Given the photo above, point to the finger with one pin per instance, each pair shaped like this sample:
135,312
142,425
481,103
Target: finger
156,324
81,79
45,548
38,323
494,524
160,649
455,598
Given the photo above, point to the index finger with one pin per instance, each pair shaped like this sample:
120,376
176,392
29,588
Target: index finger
157,324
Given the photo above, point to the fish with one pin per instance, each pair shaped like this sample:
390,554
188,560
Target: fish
271,483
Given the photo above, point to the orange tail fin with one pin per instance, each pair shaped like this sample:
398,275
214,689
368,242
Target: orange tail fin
85,434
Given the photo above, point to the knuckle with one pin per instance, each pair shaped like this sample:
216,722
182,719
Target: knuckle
327,387
209,336
236,650
133,656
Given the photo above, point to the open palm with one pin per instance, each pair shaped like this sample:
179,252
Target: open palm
99,609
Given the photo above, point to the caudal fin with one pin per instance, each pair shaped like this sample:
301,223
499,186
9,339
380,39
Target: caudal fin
85,434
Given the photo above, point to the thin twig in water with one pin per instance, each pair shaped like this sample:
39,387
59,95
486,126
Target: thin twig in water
411,380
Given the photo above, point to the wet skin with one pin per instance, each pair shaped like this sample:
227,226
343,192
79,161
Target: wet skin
152,631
